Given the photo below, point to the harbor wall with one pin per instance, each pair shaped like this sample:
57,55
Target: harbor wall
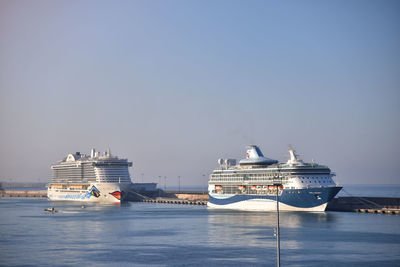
202,197
357,203
23,193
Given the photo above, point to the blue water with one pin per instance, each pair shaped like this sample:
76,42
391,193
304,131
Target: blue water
149,234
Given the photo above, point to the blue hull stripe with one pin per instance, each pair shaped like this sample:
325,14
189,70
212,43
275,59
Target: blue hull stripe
300,198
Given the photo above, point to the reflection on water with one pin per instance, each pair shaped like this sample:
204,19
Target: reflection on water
257,228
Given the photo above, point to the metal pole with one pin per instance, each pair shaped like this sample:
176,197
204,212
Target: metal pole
179,182
278,246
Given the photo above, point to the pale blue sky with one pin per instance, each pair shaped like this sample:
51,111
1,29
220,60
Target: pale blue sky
175,85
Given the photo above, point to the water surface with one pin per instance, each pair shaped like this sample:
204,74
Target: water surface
149,234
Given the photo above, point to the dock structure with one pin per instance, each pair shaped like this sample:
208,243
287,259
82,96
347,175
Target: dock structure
378,205
23,193
170,197
175,201
381,211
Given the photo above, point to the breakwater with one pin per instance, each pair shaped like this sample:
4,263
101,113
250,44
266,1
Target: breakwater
383,205
181,197
23,193
176,201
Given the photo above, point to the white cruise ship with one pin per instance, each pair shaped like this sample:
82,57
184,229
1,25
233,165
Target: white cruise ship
94,178
251,185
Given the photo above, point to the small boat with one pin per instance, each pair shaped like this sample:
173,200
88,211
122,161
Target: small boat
52,210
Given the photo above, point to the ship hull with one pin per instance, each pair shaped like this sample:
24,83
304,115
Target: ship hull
95,192
310,199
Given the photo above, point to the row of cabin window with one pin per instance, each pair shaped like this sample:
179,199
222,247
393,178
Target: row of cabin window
321,182
248,175
250,179
307,177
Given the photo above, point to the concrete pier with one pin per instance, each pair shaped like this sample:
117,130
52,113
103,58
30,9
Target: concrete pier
22,193
176,201
382,211
380,205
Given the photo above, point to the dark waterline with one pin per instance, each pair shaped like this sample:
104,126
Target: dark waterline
148,234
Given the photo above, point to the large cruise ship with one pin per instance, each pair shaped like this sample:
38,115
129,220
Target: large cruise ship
252,184
94,178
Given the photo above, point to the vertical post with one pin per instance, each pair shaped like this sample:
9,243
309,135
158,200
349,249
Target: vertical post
278,246
179,184
165,183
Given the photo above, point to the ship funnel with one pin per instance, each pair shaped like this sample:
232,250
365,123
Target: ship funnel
254,156
253,152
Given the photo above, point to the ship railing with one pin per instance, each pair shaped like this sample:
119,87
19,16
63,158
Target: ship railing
250,192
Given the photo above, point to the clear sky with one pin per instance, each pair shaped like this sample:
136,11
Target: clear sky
175,85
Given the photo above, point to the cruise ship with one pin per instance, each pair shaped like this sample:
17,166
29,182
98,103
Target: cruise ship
253,183
90,178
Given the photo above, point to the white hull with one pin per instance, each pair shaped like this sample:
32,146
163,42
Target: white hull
105,193
263,205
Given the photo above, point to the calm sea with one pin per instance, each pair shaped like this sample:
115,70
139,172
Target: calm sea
149,234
